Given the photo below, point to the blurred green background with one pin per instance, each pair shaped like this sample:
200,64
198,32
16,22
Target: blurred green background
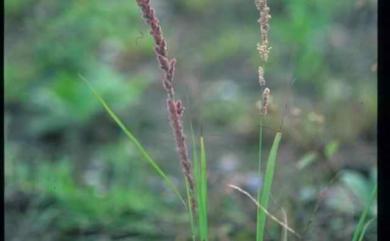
71,174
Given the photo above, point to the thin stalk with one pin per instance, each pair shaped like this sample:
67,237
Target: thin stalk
190,211
258,205
285,218
259,175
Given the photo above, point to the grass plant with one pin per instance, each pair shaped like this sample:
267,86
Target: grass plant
195,172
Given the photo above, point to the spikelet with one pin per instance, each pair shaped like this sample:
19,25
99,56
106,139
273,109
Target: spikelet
266,98
261,76
263,49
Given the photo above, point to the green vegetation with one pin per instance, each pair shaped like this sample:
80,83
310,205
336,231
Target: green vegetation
362,226
71,174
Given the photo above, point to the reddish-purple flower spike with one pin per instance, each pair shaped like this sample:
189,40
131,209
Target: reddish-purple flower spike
176,110
175,107
160,48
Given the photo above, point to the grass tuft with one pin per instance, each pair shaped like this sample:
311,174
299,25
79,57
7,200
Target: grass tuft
200,172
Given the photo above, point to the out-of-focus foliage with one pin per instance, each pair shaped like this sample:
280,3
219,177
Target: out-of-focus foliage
356,187
50,44
71,175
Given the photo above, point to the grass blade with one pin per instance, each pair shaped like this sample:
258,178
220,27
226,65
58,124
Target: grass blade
365,229
202,192
360,227
135,141
266,190
195,162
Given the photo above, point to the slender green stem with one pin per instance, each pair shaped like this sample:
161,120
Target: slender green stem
190,211
260,143
259,175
